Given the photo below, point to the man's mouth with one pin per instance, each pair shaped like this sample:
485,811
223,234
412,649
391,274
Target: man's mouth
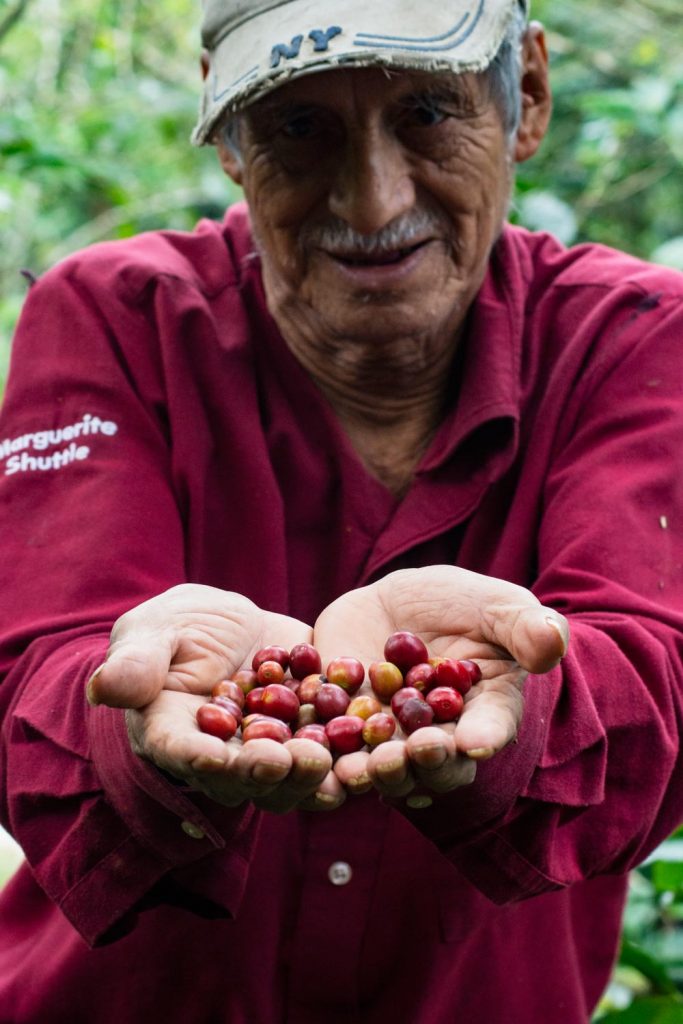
376,259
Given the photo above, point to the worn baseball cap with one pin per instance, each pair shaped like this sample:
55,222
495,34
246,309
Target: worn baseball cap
255,46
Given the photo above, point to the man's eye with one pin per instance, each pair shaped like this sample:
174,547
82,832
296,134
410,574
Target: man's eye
429,116
303,126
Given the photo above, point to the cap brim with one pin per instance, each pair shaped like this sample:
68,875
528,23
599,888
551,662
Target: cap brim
303,37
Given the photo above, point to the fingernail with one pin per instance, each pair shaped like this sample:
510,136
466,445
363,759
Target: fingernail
480,753
90,687
268,771
419,801
326,801
312,764
360,782
430,756
208,764
389,767
556,625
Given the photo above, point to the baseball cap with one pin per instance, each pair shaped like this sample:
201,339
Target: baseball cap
257,45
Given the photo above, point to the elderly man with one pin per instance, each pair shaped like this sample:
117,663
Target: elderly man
362,403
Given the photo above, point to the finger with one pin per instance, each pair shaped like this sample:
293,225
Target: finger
537,637
389,769
490,720
134,673
329,795
435,761
352,772
311,764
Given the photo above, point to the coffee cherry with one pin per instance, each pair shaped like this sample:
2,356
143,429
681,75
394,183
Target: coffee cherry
245,679
473,669
415,714
363,706
446,703
401,696
304,661
229,688
252,701
379,728
346,672
405,650
422,677
345,734
230,705
273,653
255,717
450,672
313,732
385,679
266,729
308,687
216,721
331,701
278,701
270,672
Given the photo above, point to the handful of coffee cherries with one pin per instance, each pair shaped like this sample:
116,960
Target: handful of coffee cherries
286,693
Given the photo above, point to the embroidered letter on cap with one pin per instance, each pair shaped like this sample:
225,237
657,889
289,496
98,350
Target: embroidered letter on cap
322,39
288,52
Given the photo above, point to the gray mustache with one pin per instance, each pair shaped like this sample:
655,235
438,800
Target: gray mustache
336,236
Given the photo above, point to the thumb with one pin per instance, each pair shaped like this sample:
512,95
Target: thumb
134,673
537,637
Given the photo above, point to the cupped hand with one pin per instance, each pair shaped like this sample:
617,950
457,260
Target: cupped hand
459,614
164,658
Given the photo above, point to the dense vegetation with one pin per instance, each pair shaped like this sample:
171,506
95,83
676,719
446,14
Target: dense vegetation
98,99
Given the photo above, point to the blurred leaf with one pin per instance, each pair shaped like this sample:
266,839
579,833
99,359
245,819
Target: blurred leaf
648,1010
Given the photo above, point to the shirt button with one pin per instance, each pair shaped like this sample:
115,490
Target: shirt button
340,873
193,831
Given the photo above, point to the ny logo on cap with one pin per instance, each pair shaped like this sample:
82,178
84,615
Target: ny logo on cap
321,41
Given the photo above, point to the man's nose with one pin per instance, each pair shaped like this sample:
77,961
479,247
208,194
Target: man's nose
373,184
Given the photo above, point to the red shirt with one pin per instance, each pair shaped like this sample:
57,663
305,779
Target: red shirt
156,430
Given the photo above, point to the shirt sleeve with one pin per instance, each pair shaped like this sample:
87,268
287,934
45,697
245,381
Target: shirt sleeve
87,490
594,783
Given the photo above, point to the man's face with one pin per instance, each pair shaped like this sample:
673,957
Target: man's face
375,198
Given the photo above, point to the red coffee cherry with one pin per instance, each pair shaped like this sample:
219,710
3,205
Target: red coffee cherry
308,687
401,696
278,701
216,721
345,734
331,701
405,649
313,732
266,729
270,672
422,677
245,679
446,703
229,688
379,728
363,706
450,672
304,661
348,673
230,705
473,669
273,653
415,714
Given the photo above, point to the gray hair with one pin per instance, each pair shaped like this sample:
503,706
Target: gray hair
503,76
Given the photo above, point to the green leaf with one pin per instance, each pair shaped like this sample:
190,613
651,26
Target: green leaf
633,955
648,1010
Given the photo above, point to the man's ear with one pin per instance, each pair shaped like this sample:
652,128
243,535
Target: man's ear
230,162
536,94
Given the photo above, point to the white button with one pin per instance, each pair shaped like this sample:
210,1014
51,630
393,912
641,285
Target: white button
340,873
193,831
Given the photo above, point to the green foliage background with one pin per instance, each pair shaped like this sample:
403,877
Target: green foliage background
97,101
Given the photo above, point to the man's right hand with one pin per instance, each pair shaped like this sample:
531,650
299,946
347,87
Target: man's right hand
165,657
